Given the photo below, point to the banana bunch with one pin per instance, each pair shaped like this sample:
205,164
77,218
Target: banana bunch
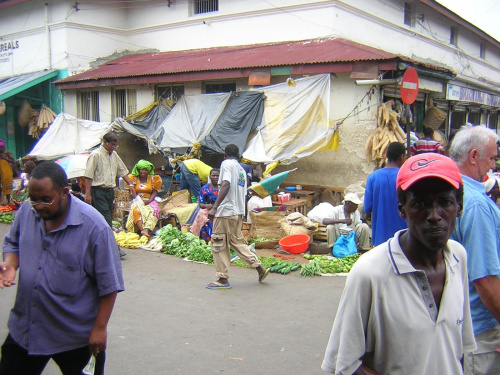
388,130
130,240
153,245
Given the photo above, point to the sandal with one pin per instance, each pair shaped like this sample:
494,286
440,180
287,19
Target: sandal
217,285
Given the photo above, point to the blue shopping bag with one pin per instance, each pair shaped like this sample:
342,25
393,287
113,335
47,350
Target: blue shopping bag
345,245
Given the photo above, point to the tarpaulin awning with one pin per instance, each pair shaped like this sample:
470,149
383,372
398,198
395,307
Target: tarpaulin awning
144,123
295,122
14,85
190,121
241,115
68,135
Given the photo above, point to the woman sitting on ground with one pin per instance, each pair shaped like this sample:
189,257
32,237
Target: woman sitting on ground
202,227
210,191
21,193
144,215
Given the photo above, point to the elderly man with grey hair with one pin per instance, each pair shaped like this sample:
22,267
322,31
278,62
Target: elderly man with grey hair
474,150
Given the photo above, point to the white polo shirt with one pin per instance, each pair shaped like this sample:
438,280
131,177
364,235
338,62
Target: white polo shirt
387,309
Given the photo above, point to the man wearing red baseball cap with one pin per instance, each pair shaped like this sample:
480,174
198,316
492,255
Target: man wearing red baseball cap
405,307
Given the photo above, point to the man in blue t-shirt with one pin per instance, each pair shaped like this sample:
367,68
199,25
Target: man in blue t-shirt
474,150
381,199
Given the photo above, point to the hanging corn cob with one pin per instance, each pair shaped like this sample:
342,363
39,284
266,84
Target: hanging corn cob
388,130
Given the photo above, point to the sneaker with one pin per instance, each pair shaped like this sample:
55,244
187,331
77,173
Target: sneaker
122,253
234,257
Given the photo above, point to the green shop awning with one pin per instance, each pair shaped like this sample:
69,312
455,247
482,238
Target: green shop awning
14,85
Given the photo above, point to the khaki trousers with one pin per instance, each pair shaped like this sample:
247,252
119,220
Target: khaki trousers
362,235
227,232
484,360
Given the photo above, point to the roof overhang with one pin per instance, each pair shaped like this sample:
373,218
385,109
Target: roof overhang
332,55
14,85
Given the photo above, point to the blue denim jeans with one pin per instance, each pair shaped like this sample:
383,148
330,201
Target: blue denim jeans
190,180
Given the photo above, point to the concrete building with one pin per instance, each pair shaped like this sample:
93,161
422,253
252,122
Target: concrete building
117,57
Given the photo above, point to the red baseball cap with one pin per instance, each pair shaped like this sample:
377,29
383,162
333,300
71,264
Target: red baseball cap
428,165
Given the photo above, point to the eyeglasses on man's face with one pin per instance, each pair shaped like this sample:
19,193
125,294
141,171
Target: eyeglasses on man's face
43,204
113,145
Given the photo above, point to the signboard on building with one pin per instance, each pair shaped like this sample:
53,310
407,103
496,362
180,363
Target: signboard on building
465,94
7,50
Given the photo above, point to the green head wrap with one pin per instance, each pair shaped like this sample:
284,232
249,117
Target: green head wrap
143,164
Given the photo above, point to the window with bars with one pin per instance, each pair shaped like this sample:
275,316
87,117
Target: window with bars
125,102
205,6
89,105
172,92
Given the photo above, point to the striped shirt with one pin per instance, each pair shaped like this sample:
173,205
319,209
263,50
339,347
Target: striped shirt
103,168
426,145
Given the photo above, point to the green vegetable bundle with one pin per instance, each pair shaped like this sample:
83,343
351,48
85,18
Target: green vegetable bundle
313,268
260,239
285,267
335,265
184,245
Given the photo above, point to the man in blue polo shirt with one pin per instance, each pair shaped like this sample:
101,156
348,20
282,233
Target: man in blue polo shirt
474,150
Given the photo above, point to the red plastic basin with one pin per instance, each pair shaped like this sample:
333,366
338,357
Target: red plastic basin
295,244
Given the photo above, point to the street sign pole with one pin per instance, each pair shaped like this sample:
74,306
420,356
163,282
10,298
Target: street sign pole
409,92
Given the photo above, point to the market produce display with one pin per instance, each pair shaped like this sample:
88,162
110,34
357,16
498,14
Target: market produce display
6,217
388,130
185,245
130,240
153,245
172,241
260,239
285,267
328,265
6,208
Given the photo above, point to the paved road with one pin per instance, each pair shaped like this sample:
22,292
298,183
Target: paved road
167,322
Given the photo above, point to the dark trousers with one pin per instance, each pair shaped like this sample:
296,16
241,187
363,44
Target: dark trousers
16,360
102,201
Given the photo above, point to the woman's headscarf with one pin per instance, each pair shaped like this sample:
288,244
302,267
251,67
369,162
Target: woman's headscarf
143,164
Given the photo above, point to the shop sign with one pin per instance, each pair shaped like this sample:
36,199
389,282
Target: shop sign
465,94
7,50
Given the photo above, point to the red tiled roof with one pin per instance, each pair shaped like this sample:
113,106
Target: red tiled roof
239,57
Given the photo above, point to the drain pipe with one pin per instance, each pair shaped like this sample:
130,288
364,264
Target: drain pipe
377,82
47,35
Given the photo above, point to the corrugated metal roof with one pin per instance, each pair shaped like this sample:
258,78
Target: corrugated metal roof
13,85
238,57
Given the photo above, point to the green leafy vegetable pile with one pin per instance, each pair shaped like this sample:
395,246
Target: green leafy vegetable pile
335,265
260,239
184,245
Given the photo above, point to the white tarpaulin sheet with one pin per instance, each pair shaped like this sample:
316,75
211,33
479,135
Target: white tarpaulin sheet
68,135
295,122
190,121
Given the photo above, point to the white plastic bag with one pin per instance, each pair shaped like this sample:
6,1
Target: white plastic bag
138,200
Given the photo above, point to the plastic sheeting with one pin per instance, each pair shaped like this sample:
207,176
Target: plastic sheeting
68,135
190,121
150,119
242,114
144,123
295,122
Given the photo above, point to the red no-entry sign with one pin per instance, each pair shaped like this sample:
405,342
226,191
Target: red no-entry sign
409,86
